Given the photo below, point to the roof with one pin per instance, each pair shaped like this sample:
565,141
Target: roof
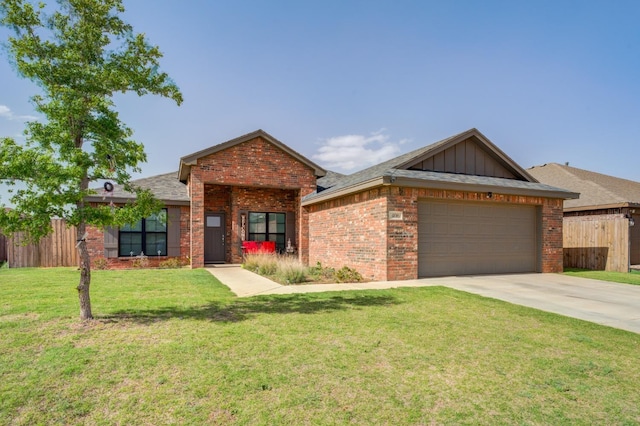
191,160
165,187
329,180
394,172
597,191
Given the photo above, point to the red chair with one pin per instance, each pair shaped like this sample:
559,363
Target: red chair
250,247
268,247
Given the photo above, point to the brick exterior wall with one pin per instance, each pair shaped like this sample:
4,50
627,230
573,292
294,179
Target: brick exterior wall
351,231
253,176
357,220
552,252
95,246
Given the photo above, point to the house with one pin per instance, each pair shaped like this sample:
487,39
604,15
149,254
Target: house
602,227
458,206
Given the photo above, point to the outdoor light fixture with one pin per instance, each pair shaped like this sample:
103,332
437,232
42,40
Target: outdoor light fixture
489,194
631,221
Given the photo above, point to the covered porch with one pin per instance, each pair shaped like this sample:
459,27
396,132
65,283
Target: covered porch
234,215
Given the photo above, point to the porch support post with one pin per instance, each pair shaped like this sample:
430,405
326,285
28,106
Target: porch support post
197,220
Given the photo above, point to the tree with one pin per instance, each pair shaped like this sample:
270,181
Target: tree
80,54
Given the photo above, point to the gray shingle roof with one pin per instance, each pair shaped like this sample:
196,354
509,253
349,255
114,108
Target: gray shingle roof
479,181
377,170
329,180
393,168
165,187
595,189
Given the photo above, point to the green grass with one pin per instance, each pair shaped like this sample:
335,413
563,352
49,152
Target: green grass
632,277
175,347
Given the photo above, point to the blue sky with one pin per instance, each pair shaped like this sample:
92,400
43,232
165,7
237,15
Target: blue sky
351,83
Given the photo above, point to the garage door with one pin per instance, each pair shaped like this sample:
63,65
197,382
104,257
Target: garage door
463,238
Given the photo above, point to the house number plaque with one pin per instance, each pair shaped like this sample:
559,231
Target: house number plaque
395,215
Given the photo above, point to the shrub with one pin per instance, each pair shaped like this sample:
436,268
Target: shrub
261,263
268,268
348,275
172,263
101,263
141,261
291,271
319,272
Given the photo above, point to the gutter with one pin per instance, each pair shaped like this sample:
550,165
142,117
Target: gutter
603,207
497,189
123,200
453,186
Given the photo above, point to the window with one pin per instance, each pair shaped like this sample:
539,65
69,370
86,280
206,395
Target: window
148,235
268,227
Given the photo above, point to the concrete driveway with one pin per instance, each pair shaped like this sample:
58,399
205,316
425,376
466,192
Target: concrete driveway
612,304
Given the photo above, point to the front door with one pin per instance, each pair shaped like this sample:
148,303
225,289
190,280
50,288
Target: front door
214,238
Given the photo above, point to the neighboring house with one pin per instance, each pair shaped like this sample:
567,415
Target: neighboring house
602,227
459,206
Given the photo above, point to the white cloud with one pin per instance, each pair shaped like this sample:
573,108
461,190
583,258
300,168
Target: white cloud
6,112
355,152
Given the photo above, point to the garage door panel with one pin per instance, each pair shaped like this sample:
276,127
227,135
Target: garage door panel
456,238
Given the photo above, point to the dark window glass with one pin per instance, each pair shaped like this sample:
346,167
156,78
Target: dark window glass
268,227
148,236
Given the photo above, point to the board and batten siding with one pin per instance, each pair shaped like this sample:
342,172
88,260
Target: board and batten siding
466,158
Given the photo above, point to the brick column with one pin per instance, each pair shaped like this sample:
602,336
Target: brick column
552,253
235,241
197,220
303,224
402,235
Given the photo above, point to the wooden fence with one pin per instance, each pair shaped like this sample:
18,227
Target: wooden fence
58,249
596,242
3,248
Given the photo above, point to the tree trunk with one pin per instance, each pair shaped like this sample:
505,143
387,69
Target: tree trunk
85,273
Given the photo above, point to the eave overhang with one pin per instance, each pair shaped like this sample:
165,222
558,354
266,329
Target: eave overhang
125,200
603,207
407,182
495,189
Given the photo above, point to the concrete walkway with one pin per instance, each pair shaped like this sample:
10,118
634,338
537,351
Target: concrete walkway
601,302
246,284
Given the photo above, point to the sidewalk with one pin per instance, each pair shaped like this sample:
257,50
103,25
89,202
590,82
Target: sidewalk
246,284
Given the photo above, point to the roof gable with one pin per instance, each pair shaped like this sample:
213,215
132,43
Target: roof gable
468,153
190,160
596,189
488,160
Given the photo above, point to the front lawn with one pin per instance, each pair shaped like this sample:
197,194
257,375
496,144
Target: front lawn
632,277
175,347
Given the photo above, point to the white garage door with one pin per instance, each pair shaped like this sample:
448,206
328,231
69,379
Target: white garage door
464,238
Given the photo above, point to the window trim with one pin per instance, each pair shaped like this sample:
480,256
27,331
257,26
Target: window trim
267,232
143,241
